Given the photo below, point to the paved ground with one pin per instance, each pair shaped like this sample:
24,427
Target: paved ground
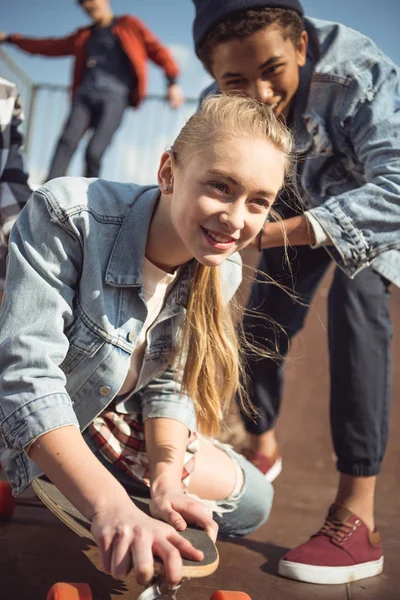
36,550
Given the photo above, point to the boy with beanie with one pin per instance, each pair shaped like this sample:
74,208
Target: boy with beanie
340,95
110,74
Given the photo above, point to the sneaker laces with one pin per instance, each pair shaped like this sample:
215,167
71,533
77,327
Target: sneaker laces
336,529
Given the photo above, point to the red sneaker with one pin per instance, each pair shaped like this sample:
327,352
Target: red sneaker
343,550
270,466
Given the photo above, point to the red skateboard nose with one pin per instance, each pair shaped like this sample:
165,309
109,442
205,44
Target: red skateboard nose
229,595
70,591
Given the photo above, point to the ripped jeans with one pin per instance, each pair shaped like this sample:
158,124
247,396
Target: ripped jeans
243,512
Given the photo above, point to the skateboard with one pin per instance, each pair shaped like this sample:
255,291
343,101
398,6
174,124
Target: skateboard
52,498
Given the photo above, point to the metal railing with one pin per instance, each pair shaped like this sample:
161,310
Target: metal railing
135,149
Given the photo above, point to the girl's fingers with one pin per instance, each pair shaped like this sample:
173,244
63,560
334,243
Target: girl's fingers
142,558
185,548
128,546
212,530
104,544
176,520
171,558
169,515
121,559
201,515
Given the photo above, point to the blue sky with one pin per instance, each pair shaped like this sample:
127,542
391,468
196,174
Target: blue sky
171,20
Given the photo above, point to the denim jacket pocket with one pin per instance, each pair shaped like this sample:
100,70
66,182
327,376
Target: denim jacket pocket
83,343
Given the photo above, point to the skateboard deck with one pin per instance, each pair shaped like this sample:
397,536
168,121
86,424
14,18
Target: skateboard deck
72,518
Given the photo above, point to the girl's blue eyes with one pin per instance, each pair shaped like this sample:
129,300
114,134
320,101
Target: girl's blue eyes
221,187
261,202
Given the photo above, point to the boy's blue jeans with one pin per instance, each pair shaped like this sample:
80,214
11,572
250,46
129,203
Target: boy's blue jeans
359,335
100,111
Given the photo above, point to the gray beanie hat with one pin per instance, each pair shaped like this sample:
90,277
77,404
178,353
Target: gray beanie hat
209,13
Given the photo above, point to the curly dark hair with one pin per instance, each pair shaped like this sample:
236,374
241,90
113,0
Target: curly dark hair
243,24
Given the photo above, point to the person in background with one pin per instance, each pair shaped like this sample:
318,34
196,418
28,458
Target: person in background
110,74
14,187
128,337
340,95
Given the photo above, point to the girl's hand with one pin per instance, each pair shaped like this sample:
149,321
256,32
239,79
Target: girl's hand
128,538
178,509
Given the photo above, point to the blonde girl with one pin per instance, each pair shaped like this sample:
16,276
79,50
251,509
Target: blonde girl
117,345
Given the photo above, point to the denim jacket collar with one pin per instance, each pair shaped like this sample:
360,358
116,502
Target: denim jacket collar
299,115
125,268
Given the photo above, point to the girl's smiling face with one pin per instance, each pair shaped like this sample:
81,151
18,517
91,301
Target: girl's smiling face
219,197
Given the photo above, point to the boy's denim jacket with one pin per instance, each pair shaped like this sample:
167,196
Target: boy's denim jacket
73,309
346,123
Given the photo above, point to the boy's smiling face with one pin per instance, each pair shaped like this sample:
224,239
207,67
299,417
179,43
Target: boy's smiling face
264,66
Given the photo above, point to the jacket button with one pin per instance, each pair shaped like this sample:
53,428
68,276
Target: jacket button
105,391
131,336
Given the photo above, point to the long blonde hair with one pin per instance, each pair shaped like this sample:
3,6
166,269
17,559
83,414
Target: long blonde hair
212,345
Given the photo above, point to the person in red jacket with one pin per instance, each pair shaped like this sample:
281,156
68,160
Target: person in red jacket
109,74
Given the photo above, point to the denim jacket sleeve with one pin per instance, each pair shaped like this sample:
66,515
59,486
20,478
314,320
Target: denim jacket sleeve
364,222
43,269
163,397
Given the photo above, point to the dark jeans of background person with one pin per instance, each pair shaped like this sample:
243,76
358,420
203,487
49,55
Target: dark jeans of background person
100,111
359,335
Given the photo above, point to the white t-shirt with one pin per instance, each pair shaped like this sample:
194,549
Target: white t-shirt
156,285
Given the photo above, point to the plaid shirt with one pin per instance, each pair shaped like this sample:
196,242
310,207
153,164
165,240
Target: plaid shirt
14,188
120,439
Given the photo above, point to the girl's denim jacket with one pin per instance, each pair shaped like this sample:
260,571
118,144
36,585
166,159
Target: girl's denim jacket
73,309
346,123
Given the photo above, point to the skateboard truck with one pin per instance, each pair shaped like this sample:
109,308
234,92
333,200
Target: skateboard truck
158,589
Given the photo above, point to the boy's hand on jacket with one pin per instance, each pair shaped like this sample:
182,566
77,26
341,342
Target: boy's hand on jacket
127,538
3,36
179,510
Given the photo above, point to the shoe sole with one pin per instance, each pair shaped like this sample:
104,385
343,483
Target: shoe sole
274,471
329,575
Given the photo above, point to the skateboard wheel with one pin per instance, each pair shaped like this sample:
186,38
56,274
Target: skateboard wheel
7,501
229,595
70,591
